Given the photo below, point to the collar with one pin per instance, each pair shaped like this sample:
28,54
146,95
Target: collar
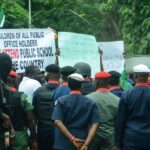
25,78
114,88
105,90
75,92
12,89
53,82
65,84
141,84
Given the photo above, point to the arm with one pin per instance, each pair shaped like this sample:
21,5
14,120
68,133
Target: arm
120,122
63,129
90,136
32,128
77,142
57,54
27,107
6,120
101,60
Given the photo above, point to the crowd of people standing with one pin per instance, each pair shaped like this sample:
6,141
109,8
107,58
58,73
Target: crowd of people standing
65,109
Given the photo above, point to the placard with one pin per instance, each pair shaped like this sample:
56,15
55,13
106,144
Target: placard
28,47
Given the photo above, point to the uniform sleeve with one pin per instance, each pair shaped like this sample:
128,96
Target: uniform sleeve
58,111
95,115
25,103
120,122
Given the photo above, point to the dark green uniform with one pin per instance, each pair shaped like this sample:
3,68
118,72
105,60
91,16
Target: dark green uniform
107,104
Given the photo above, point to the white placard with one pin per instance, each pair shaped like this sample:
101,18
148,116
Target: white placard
28,47
112,55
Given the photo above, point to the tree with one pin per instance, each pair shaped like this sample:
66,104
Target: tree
108,20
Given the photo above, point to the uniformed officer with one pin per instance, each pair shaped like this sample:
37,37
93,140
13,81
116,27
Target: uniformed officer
16,107
107,104
43,107
73,115
64,89
12,80
85,70
114,83
133,117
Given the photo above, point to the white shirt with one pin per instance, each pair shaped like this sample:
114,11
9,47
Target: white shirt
29,86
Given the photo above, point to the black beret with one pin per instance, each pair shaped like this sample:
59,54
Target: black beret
52,68
67,70
5,66
114,74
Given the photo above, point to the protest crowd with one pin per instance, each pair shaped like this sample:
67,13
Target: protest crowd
64,108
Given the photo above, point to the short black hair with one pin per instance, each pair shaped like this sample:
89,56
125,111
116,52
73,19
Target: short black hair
74,84
102,83
30,70
115,78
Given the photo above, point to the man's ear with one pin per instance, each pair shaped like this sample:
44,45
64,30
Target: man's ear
135,76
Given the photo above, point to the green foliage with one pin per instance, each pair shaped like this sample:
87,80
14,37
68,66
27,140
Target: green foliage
108,20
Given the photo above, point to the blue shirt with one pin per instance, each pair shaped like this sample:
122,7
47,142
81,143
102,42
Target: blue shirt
117,92
61,91
133,118
76,112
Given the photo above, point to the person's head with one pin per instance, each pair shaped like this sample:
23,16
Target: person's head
102,80
66,71
114,79
75,81
5,66
33,72
12,79
83,68
141,73
52,72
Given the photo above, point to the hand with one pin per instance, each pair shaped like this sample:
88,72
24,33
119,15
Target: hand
57,53
100,51
117,148
84,147
78,143
6,121
33,144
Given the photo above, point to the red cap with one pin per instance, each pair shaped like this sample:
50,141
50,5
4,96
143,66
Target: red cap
102,75
148,81
13,74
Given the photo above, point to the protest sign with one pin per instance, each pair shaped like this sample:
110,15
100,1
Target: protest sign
78,48
28,47
112,55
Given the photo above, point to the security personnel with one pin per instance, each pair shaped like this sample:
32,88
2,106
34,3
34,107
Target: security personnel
63,89
133,117
12,80
85,70
107,104
16,106
73,115
114,83
43,106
